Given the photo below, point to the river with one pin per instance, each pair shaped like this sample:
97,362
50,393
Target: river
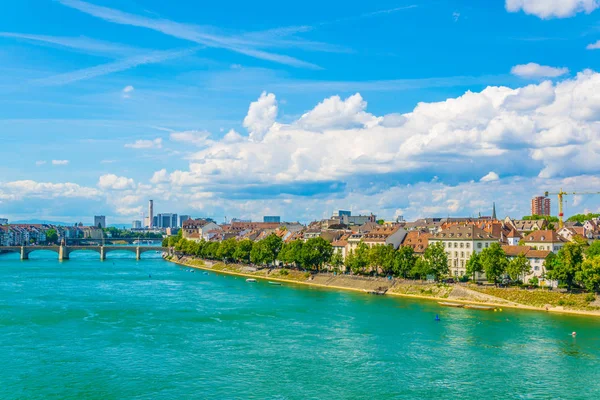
153,330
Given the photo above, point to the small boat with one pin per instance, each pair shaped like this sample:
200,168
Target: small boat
205,273
376,292
478,307
274,283
250,280
446,304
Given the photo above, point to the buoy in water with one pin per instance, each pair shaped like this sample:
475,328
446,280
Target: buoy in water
437,317
573,334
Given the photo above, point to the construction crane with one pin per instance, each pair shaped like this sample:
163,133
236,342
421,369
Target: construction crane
561,195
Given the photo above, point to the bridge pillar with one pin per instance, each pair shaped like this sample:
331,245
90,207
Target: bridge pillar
24,253
102,253
138,253
63,253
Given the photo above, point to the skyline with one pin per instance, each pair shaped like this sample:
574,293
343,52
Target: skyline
410,108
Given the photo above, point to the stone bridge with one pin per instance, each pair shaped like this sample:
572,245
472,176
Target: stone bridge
64,251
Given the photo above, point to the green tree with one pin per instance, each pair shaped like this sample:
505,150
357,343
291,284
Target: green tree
590,274
548,218
273,244
404,261
315,252
567,264
594,249
291,253
227,249
494,261
51,236
518,267
437,260
337,260
260,253
581,218
242,251
381,257
474,265
420,270
357,261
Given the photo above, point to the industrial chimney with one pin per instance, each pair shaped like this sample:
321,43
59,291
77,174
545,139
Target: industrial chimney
150,213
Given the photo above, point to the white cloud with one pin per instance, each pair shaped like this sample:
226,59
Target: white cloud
31,189
261,115
196,138
593,46
455,16
547,129
114,182
533,70
552,8
40,162
60,162
145,144
490,177
160,177
335,113
127,90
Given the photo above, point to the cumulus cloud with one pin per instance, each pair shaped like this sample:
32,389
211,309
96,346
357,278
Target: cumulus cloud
31,189
549,129
40,162
337,113
114,182
533,70
145,144
196,138
552,8
60,162
127,91
593,46
261,115
490,177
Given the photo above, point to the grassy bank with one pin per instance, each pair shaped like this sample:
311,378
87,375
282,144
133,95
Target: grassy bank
536,300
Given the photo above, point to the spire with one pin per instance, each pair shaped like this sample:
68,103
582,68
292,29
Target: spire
494,211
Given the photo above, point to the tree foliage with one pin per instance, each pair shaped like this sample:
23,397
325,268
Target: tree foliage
436,260
315,252
518,267
589,275
404,261
567,264
494,262
51,236
474,265
581,218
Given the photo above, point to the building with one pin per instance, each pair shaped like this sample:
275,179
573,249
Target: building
272,218
521,225
3,221
100,221
460,241
150,213
540,205
182,219
342,213
392,235
136,224
164,221
418,240
535,257
198,229
545,240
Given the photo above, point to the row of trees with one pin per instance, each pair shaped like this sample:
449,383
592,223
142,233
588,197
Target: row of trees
575,265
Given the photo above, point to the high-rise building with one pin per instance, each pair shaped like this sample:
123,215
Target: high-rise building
183,218
150,213
154,222
540,205
100,221
165,221
272,218
136,225
342,213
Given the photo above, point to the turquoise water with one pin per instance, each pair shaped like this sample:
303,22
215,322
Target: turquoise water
105,330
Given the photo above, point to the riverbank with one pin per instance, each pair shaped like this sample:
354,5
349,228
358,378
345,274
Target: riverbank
538,300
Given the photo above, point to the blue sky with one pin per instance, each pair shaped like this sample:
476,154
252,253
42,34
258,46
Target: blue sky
407,108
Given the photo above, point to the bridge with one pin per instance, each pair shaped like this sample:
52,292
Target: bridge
64,251
88,241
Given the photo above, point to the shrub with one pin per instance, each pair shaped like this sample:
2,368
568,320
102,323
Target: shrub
284,272
590,297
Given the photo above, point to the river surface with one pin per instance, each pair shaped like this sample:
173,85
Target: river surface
85,329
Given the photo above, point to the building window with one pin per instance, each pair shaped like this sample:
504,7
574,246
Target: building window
467,245
462,254
455,245
478,245
487,245
536,268
462,245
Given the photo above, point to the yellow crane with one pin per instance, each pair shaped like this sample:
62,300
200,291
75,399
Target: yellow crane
561,195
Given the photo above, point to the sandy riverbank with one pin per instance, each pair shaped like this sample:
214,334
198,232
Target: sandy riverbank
396,287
